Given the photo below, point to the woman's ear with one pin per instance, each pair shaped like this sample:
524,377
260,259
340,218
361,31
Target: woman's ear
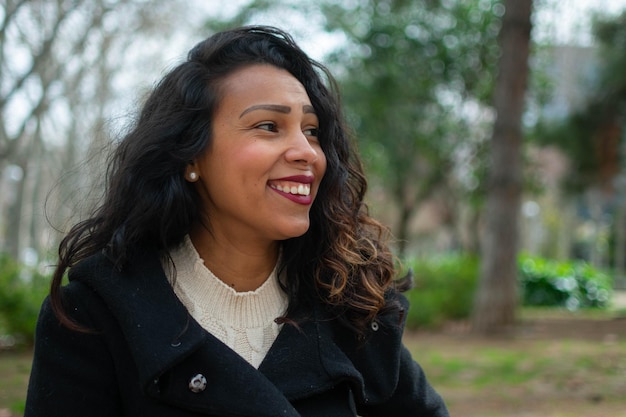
191,172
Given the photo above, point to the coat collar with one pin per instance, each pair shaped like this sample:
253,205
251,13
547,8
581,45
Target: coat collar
169,347
157,327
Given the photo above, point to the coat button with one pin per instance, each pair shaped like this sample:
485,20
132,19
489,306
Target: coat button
197,383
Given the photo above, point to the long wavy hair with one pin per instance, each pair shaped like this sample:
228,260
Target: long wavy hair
343,259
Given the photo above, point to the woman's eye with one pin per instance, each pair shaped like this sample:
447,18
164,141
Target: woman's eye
270,127
312,131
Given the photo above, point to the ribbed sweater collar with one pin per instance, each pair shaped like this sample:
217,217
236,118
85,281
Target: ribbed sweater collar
215,298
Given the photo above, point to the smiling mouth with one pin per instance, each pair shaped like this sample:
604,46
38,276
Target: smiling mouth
292,188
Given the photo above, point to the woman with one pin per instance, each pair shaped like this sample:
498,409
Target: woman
231,269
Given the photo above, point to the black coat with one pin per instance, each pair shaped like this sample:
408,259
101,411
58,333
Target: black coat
145,349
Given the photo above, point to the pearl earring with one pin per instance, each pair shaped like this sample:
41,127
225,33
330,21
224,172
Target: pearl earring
193,176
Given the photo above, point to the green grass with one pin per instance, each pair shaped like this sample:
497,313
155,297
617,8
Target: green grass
14,372
532,313
479,377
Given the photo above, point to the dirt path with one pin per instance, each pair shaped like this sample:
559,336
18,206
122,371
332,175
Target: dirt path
557,367
619,300
598,330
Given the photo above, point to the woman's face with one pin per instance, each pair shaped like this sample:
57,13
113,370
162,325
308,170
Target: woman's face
261,173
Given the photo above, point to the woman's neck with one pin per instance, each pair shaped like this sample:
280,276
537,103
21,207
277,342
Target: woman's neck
244,266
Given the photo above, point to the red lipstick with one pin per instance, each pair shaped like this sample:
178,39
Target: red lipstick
304,179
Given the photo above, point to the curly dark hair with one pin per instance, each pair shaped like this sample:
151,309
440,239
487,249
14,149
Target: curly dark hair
343,259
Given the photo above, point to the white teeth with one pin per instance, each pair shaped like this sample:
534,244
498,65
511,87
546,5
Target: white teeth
304,189
301,189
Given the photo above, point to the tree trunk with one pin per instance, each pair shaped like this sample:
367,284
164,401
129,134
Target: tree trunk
495,302
620,245
403,229
14,213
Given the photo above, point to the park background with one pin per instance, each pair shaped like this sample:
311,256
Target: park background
496,154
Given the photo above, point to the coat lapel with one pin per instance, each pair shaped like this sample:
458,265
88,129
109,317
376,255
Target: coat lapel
305,361
233,386
323,354
169,347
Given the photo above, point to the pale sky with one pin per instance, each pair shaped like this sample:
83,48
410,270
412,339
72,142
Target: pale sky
568,21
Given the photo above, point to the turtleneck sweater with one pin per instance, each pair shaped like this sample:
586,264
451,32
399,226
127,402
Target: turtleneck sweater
244,321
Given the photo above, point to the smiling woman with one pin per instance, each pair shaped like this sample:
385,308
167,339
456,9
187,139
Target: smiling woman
258,179
232,268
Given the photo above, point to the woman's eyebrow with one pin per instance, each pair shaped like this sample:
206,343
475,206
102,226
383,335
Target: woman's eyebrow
307,108
271,107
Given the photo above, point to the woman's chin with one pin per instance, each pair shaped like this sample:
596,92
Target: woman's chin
296,231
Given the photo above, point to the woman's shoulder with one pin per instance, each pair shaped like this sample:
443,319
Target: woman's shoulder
90,267
395,304
388,323
139,282
392,317
384,332
137,296
375,358
100,266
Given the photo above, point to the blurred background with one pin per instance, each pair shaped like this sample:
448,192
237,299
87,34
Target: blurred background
493,134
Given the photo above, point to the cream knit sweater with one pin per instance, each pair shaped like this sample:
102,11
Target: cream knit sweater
244,321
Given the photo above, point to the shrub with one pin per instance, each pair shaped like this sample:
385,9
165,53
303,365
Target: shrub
570,284
444,289
22,291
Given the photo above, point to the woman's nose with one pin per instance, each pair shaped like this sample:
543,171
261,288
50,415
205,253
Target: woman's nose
301,149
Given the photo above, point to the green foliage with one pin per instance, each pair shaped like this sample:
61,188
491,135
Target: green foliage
444,289
572,284
445,286
22,291
411,71
409,67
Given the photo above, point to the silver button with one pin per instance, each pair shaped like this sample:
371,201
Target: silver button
375,326
197,383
